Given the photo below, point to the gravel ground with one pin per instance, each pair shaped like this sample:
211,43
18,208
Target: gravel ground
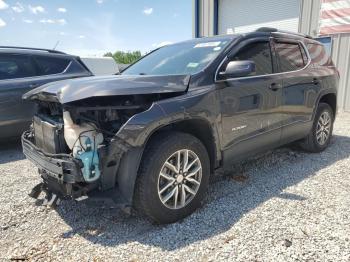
284,205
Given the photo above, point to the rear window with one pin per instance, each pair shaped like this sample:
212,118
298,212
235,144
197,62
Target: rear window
16,66
51,65
290,57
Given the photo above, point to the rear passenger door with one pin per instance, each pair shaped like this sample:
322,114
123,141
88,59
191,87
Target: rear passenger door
300,87
17,76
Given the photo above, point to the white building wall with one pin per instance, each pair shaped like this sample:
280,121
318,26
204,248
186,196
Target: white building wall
206,17
340,48
284,13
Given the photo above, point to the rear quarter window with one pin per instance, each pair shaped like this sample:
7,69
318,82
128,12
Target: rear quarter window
75,67
319,55
51,65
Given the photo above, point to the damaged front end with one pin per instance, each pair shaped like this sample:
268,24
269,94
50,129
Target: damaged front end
75,147
90,145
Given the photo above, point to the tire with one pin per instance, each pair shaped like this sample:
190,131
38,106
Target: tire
314,142
152,189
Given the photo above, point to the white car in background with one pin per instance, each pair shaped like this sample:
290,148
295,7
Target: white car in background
101,65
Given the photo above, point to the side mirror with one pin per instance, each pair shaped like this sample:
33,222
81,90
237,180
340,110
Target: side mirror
238,69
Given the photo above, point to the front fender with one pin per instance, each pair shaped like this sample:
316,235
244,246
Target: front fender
135,134
136,130
139,128
199,104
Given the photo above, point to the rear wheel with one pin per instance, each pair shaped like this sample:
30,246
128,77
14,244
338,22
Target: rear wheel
319,137
173,177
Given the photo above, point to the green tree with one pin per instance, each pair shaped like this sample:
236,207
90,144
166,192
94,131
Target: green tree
125,57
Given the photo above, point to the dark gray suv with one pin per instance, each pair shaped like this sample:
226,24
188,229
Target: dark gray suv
151,137
23,69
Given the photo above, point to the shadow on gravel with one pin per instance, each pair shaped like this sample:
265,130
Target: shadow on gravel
261,179
10,150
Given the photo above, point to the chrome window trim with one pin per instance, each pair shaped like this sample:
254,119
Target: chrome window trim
274,74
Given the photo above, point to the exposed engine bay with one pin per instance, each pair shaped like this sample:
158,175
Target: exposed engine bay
79,129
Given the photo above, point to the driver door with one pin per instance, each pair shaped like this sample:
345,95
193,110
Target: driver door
250,105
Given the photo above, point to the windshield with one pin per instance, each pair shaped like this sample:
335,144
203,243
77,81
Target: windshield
178,59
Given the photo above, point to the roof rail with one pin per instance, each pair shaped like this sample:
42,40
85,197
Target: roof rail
275,30
32,48
266,29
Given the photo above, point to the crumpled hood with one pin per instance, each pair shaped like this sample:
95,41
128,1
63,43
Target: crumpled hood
96,86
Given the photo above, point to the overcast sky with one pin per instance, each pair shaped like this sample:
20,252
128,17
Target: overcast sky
93,27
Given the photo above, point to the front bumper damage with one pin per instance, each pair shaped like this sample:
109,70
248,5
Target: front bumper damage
61,173
119,159
62,176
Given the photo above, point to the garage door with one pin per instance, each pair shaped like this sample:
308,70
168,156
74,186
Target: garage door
239,16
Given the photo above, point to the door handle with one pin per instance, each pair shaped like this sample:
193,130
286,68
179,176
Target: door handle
274,87
315,81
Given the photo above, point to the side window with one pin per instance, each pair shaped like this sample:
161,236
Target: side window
318,54
289,56
75,67
16,66
51,65
260,54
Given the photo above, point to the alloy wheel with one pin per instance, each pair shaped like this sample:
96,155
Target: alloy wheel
179,179
323,128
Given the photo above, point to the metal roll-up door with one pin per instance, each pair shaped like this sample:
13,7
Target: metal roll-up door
240,16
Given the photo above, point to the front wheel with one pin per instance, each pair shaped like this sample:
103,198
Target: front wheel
173,177
319,137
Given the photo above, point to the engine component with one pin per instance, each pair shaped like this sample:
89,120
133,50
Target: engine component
49,134
84,140
76,135
89,157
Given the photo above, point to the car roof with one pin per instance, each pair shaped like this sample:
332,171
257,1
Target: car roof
263,31
29,50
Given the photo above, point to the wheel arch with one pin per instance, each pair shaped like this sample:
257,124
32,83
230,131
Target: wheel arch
328,96
131,161
200,129
331,100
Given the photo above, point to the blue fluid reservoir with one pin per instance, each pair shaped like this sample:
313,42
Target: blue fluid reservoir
89,157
